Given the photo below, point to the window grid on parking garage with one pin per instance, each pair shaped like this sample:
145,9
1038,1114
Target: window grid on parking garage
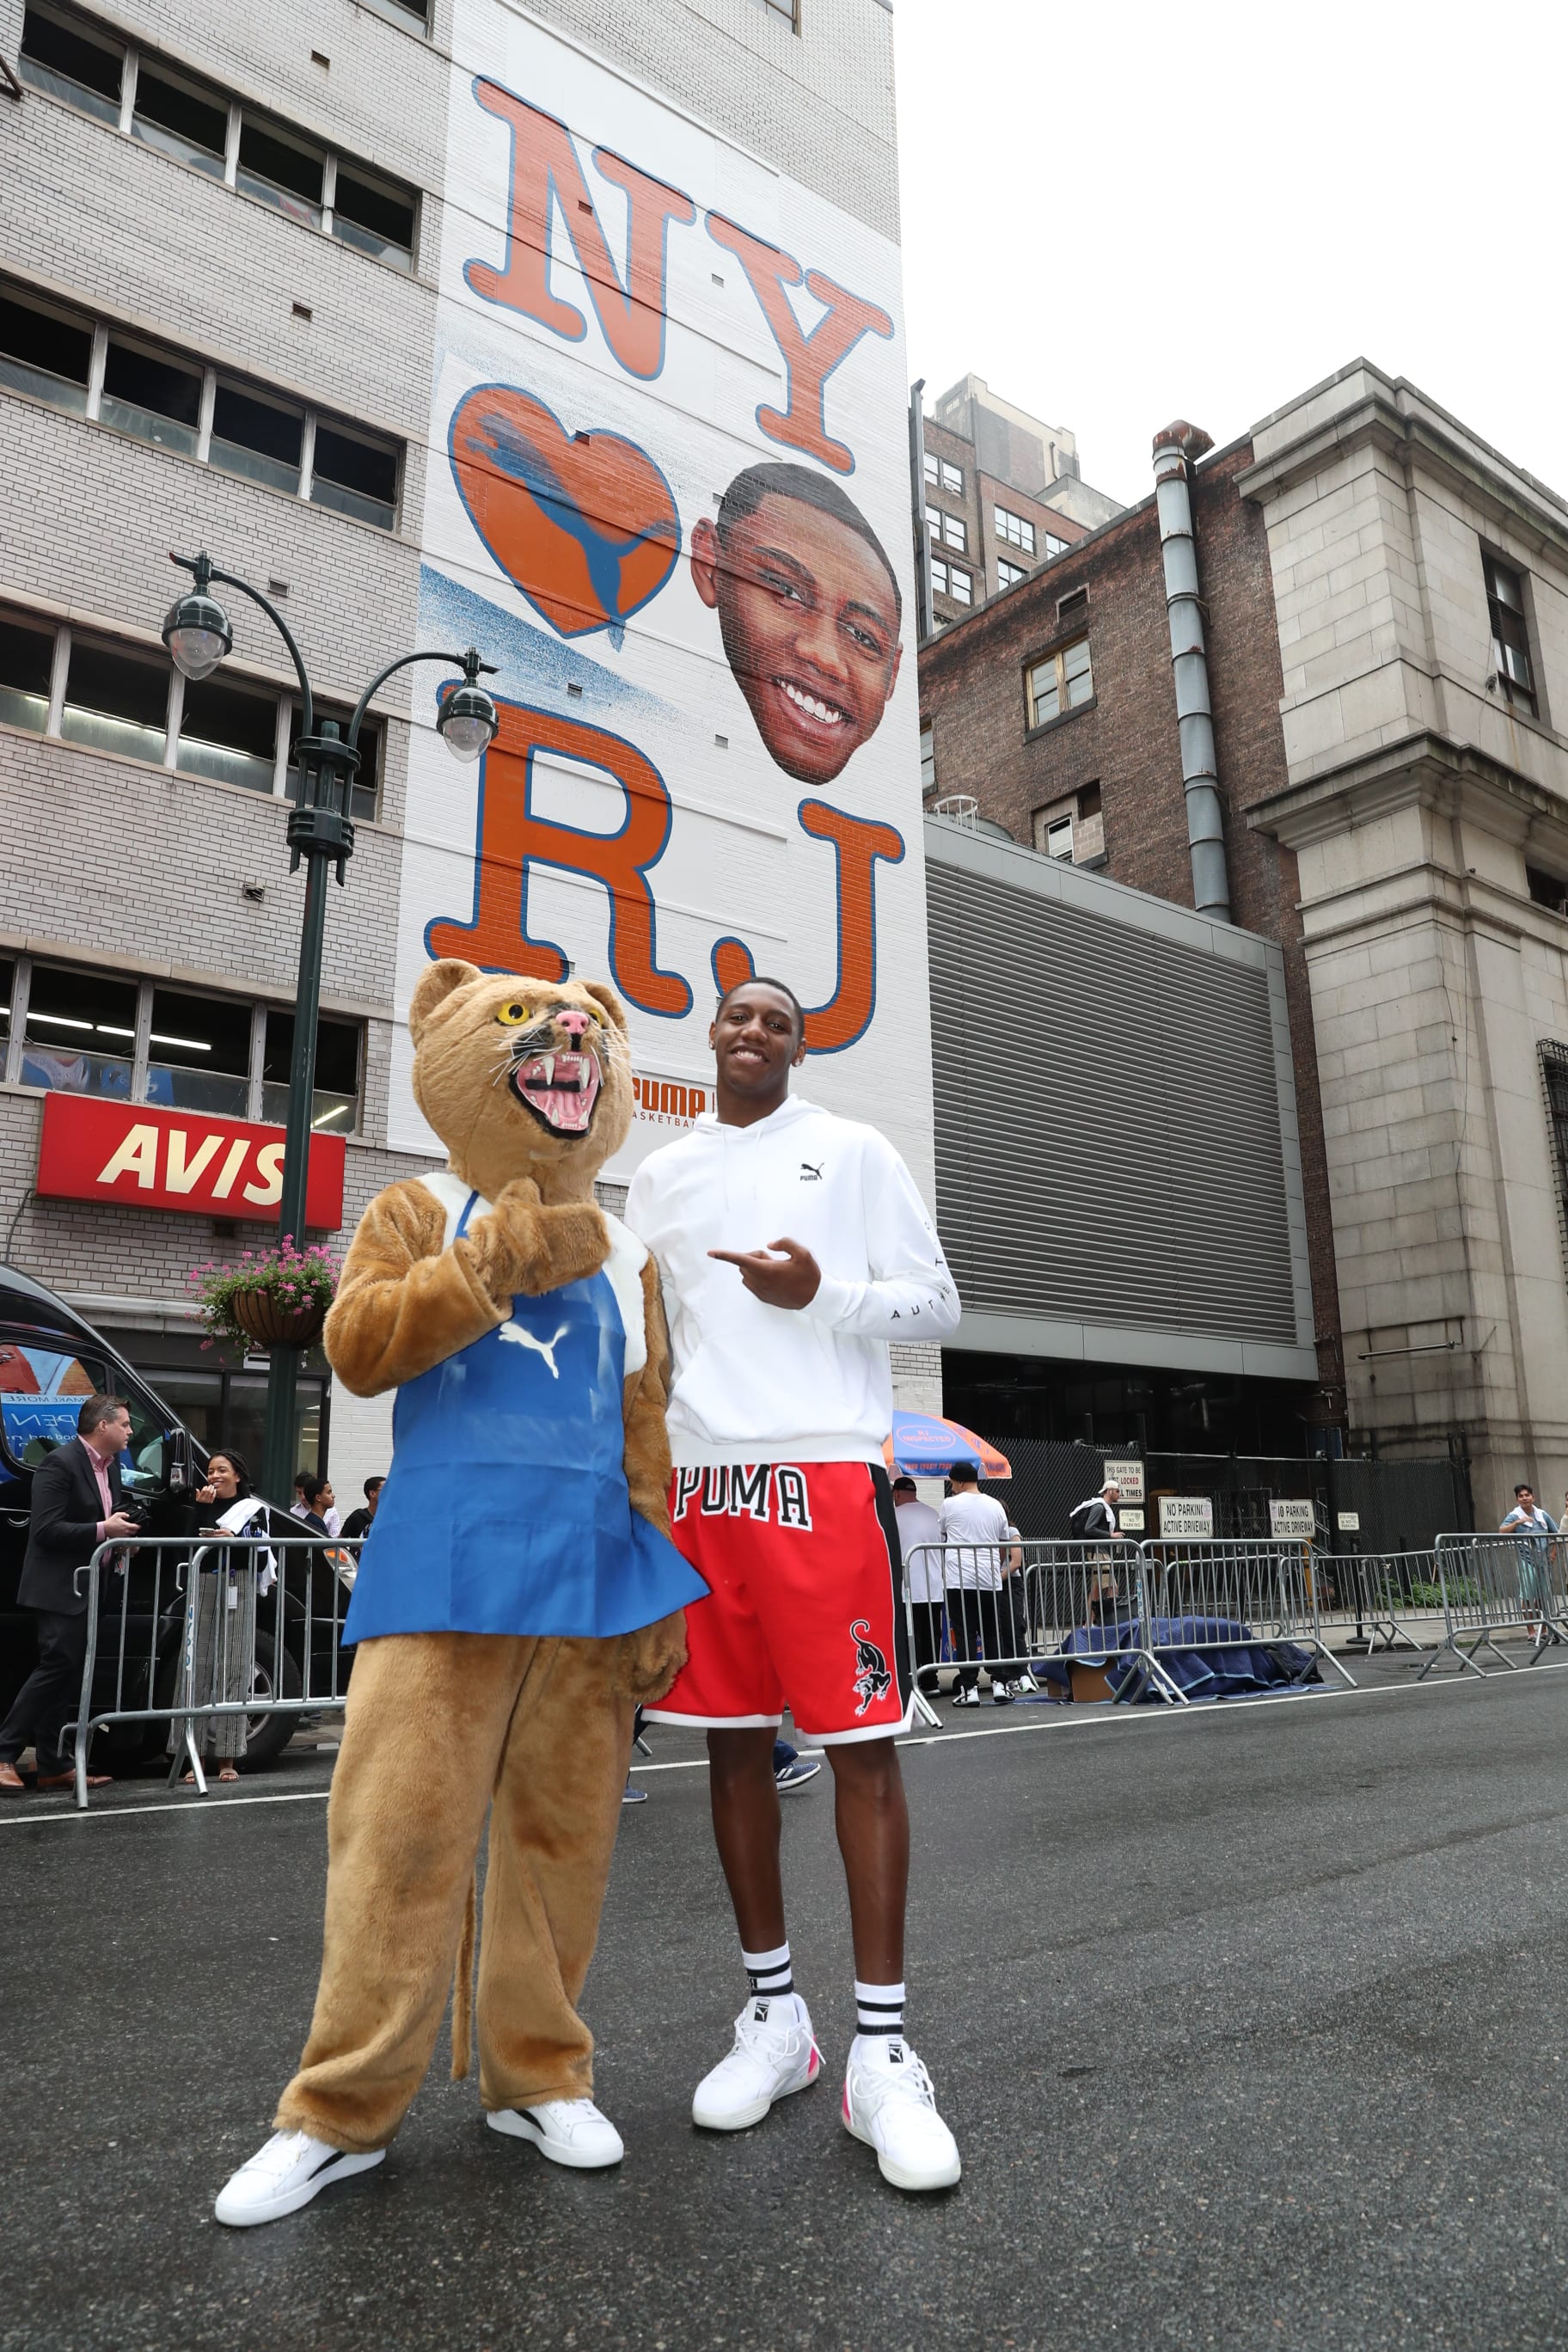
78,687
88,66
178,403
66,1030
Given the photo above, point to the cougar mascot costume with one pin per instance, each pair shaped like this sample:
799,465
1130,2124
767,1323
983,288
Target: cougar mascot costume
518,1592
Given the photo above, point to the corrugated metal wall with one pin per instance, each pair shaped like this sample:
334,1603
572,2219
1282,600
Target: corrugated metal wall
1107,1120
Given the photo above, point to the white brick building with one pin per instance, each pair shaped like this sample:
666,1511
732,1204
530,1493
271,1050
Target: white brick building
221,233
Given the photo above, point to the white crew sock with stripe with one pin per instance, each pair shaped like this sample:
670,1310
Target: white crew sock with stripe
768,1974
878,2011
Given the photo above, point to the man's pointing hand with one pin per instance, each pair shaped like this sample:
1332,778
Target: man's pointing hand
790,1280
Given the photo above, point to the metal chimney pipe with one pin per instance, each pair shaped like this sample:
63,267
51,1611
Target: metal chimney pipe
1189,665
925,622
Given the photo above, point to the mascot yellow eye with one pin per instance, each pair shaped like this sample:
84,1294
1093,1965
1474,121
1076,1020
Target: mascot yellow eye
512,1016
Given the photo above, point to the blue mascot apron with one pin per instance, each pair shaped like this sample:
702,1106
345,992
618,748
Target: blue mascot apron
505,1510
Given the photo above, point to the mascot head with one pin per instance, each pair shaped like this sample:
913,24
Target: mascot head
521,1077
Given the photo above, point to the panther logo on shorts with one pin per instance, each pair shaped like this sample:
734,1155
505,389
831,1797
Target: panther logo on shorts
872,1679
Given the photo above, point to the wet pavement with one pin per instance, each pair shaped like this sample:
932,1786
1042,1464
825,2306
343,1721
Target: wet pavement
1245,2020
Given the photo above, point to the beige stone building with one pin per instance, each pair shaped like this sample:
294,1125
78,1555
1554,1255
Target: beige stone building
1421,587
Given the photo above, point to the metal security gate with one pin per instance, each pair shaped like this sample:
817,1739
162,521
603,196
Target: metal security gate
1402,1506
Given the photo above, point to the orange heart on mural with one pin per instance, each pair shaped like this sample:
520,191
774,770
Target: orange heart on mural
584,524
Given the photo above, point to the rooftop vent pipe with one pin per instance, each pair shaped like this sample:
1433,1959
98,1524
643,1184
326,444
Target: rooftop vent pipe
1189,665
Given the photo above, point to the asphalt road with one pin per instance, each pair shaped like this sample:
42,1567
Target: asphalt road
1248,2022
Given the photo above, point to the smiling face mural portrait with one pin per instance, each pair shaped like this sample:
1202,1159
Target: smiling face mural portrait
668,496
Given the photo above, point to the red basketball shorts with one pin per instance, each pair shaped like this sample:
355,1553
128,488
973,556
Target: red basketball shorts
806,1606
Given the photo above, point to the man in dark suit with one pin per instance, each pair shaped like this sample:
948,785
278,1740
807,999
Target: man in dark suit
77,1503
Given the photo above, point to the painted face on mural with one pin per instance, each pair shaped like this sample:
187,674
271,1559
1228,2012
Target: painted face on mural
809,612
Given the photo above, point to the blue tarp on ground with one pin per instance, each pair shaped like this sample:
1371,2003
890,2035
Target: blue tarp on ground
1182,1646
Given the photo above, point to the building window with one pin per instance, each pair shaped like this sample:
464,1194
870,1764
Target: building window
138,1041
191,126
154,398
118,698
117,702
1510,634
1061,682
952,478
261,439
337,1073
1547,890
66,61
949,527
1073,830
26,667
782,12
44,352
1014,530
952,579
363,798
158,398
1054,546
228,731
1554,1070
355,476
373,217
928,760
1009,574
208,131
932,470
79,1035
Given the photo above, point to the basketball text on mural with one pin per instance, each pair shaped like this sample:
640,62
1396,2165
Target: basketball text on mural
147,1158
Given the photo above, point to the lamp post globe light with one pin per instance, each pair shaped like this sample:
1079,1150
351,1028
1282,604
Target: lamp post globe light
198,635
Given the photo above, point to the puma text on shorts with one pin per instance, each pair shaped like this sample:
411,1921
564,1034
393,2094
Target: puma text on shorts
806,1606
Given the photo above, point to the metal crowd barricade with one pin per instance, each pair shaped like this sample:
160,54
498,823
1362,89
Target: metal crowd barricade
1123,1610
1235,1593
1494,1584
145,1646
1387,1597
1064,1603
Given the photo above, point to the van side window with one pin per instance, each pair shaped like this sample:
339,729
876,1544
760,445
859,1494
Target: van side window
41,1393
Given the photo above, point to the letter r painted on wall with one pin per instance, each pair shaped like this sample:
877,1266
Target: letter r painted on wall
512,839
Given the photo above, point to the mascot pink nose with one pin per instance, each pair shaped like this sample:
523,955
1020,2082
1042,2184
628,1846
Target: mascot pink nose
574,1023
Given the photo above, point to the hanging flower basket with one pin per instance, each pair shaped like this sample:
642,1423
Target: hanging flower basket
272,1298
267,1319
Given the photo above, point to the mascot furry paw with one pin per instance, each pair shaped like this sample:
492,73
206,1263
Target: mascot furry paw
518,1590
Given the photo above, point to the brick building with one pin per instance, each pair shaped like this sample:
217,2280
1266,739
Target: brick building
999,494
222,233
1383,600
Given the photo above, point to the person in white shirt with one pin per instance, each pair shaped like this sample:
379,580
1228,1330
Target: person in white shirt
781,1397
1534,1558
979,1619
919,1529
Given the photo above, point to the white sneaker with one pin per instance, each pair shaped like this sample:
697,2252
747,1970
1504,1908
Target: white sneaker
568,2131
284,2175
1002,1693
888,2103
775,2054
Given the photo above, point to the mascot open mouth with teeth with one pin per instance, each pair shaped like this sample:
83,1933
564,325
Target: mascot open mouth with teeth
517,1593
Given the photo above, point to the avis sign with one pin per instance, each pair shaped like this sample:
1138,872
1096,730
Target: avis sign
149,1159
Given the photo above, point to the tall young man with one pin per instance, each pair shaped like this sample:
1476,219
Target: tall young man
779,1402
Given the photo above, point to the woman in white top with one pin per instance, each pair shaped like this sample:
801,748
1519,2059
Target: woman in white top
222,1595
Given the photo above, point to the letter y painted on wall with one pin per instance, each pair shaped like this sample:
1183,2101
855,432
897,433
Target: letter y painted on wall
809,359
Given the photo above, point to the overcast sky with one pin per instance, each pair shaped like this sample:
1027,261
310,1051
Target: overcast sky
1117,213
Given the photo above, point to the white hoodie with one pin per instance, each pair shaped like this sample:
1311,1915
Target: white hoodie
758,1383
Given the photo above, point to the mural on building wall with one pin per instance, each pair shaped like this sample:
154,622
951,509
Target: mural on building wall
668,495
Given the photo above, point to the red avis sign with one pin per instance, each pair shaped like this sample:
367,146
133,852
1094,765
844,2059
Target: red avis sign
93,1151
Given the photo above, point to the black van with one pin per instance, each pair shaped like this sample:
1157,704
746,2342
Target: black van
50,1358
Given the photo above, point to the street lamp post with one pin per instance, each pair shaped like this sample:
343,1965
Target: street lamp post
320,831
